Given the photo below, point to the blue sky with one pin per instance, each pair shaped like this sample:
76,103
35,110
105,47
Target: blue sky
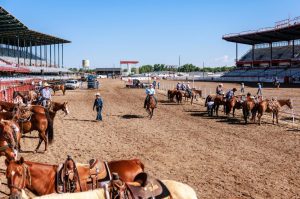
150,31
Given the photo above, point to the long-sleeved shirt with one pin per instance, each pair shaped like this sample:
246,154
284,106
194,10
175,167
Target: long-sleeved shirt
98,103
46,93
150,91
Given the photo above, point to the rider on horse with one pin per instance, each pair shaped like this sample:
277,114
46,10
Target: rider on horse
230,94
150,92
219,89
189,89
46,94
178,86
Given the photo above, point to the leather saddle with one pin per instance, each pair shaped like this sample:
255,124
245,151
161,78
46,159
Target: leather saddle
143,187
68,179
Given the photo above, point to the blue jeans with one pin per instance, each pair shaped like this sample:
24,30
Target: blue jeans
99,114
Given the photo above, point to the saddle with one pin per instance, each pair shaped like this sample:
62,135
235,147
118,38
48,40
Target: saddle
68,179
143,187
24,113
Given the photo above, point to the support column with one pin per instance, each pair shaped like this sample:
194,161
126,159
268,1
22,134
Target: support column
30,53
62,55
58,55
2,46
271,54
50,55
236,52
35,54
41,55
293,55
253,55
18,51
46,55
54,54
24,51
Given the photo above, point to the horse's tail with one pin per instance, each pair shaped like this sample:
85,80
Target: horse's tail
63,88
50,129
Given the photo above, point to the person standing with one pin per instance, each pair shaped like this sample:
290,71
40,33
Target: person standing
98,104
46,95
259,90
158,85
242,88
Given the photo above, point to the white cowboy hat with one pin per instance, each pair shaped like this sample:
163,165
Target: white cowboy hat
97,94
151,85
46,84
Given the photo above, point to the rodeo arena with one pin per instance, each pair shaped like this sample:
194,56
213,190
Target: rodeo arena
230,135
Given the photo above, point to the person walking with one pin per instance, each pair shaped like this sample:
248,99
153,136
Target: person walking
98,104
259,90
158,85
242,88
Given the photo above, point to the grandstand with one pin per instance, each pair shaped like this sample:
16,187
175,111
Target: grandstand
23,50
275,52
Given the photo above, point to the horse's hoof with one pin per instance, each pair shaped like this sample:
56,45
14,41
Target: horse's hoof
35,151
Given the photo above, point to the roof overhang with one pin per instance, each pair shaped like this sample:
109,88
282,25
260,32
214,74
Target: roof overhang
287,32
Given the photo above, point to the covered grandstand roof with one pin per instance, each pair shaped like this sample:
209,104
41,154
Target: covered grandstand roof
285,30
11,28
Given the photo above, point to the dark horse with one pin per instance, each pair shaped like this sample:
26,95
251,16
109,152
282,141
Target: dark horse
218,100
59,87
232,104
40,122
7,106
250,105
150,106
171,94
41,178
52,109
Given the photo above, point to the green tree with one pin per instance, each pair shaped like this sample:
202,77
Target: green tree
133,70
159,67
146,69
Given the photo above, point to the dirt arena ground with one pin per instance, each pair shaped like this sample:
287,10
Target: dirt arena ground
219,158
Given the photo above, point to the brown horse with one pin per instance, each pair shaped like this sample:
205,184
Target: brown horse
179,96
6,115
171,94
59,87
197,92
41,178
40,122
7,106
272,106
191,96
250,105
10,137
234,103
218,101
150,106
53,108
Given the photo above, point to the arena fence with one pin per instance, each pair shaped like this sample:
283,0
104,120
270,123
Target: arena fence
286,115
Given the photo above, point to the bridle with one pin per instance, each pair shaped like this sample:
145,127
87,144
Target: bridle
26,174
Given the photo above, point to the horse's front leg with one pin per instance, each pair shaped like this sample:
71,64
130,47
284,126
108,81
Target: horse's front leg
233,111
273,116
277,117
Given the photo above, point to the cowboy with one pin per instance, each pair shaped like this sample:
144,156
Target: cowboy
183,86
178,86
230,94
98,104
242,88
259,90
150,92
188,89
46,94
219,89
210,106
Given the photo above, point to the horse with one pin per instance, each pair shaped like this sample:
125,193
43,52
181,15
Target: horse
233,104
41,178
52,109
7,106
40,122
27,96
150,106
272,106
192,95
10,137
218,100
177,190
171,94
249,106
197,92
59,87
179,96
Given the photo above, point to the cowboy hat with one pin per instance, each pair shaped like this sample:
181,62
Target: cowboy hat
97,94
46,84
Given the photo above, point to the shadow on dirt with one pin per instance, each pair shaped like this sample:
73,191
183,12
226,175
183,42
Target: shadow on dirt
132,116
74,119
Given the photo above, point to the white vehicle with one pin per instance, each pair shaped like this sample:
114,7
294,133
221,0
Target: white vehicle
72,84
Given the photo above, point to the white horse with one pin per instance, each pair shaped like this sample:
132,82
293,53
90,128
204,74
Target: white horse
178,190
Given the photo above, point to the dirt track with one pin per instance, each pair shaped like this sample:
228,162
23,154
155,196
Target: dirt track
219,158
